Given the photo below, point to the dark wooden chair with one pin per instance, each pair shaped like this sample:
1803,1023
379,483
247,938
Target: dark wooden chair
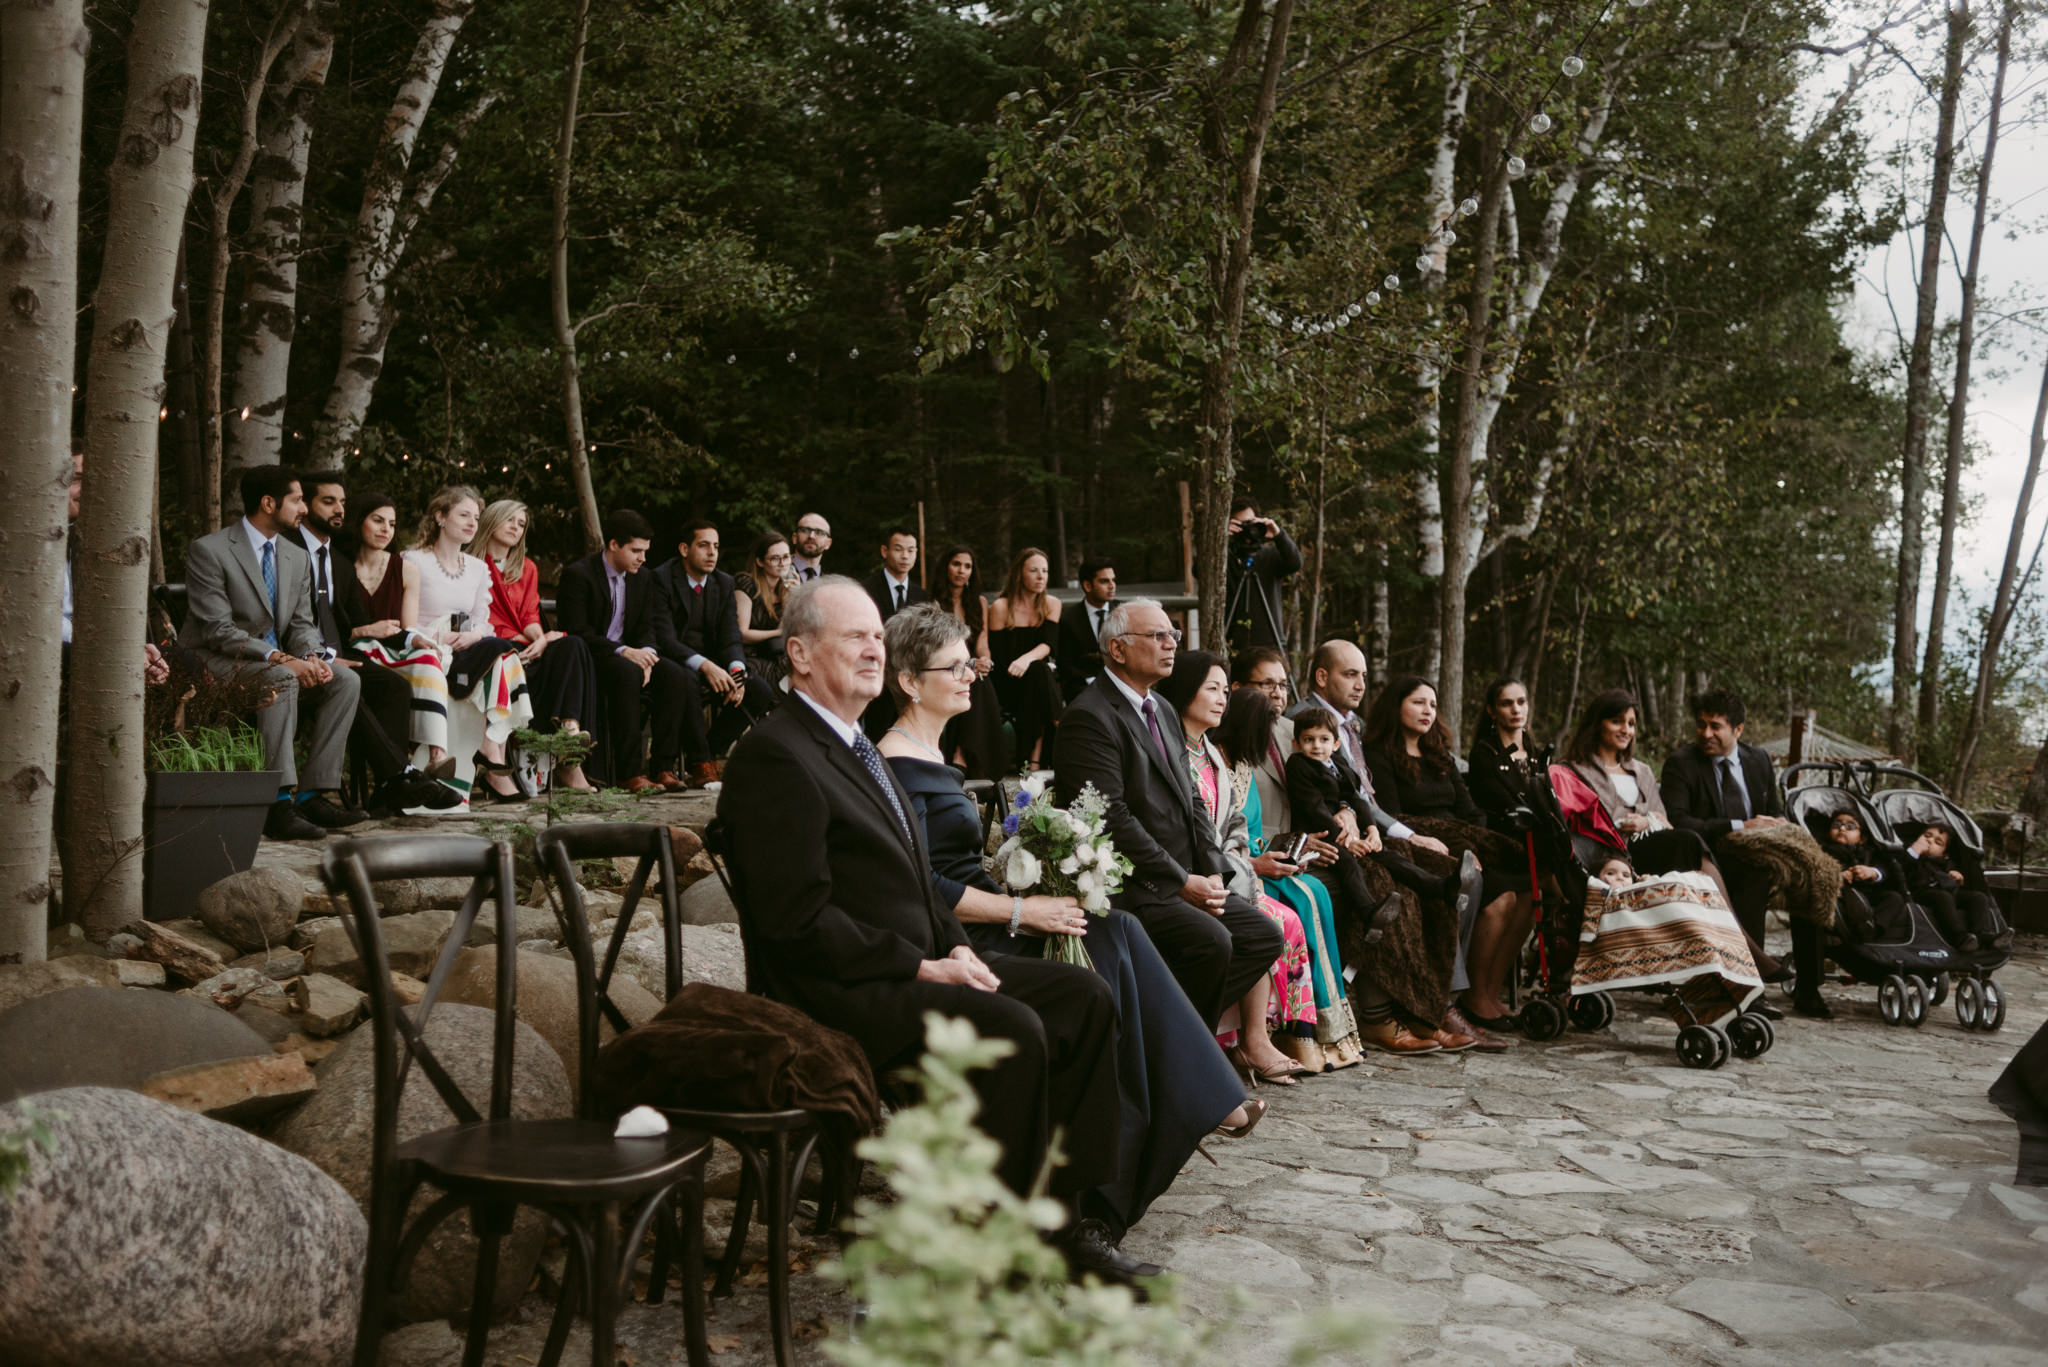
601,1191
774,1146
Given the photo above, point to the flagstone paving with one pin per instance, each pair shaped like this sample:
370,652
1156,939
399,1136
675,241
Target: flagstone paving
1843,1200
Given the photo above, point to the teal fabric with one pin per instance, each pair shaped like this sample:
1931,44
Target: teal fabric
1311,901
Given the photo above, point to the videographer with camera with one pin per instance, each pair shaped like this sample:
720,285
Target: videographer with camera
1261,555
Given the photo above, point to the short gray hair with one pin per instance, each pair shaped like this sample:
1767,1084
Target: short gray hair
1118,623
803,615
915,636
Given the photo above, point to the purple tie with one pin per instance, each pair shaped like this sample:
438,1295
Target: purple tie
1158,736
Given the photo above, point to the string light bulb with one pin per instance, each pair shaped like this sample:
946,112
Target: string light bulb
1574,64
1468,206
1517,167
1372,297
1392,282
1540,123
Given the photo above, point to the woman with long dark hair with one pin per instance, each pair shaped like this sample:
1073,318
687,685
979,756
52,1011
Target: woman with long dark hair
762,588
974,739
1502,761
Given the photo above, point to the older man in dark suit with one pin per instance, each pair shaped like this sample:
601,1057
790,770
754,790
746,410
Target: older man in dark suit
697,624
1117,736
841,919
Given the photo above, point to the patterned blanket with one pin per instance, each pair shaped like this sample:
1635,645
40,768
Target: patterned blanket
1673,930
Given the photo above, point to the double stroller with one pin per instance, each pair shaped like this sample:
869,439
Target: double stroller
1914,969
1676,947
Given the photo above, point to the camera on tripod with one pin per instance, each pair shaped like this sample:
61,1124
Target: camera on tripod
1248,539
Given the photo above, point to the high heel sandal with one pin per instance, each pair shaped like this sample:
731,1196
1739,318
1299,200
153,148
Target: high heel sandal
1254,1110
486,771
1282,1076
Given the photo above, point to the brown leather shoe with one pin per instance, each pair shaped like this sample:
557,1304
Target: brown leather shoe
704,773
672,781
1452,1041
640,783
1485,1043
1394,1038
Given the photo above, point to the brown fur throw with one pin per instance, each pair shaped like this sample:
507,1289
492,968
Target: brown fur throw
1805,882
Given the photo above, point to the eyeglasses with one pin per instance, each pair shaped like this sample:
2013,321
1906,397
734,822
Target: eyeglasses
782,559
1169,637
816,531
961,672
1277,686
1843,821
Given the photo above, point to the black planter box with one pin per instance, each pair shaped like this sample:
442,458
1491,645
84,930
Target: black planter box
196,830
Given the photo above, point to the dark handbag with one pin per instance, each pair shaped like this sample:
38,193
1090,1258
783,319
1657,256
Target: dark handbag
1290,847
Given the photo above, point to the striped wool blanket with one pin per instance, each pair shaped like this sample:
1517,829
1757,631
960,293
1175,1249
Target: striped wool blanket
1672,930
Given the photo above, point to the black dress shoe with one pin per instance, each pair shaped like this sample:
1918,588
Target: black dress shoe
322,810
1811,1006
1456,885
283,822
1760,1007
1090,1249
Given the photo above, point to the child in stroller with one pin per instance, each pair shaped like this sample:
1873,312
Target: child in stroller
1965,916
1874,893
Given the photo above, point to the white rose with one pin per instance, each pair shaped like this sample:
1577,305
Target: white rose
1095,901
1084,855
1087,882
1004,850
1077,826
1022,870
1069,865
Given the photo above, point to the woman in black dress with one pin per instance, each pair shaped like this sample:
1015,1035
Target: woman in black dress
1023,632
1502,761
763,587
1414,777
1176,1085
974,739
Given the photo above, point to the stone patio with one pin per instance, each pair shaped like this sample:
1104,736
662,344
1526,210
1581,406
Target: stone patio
1844,1199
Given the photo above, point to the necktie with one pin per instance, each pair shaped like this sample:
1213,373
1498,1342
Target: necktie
323,600
1732,804
872,758
270,590
1151,712
899,597
1101,617
808,572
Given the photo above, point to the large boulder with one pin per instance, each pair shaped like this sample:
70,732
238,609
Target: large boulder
411,943
150,1237
20,982
545,997
88,1037
711,954
333,1130
706,904
253,909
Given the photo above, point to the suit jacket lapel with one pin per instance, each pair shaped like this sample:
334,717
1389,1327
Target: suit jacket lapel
840,755
1135,724
242,555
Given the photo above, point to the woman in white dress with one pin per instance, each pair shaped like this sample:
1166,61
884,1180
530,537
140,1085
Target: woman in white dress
455,609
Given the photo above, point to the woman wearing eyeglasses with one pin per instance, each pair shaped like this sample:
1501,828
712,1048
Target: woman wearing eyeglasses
760,592
1176,1085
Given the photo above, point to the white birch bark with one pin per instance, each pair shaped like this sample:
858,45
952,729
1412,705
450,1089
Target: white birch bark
149,189
378,243
270,278
42,92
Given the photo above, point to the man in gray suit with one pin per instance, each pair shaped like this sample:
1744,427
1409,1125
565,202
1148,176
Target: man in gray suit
249,607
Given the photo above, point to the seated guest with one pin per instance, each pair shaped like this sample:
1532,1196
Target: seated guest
1964,915
1415,778
974,738
605,599
844,922
1023,630
1717,786
559,676
1874,890
389,633
383,729
761,589
249,606
1080,645
1501,763
1119,738
1176,1086
697,624
1263,670
894,586
813,539
483,668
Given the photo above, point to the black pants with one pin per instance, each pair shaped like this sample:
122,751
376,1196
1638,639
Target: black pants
1061,1077
620,694
1959,913
700,741
563,685
1667,851
1215,959
383,720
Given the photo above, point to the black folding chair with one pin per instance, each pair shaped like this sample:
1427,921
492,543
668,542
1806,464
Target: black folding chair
601,1191
774,1145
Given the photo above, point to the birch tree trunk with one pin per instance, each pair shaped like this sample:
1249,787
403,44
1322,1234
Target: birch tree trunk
284,26
149,188
377,246
42,93
558,280
1959,399
1230,273
1919,368
270,275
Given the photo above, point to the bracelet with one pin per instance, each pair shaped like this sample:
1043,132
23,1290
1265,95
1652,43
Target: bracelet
1016,915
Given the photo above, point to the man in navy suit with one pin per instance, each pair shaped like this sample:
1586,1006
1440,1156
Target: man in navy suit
697,624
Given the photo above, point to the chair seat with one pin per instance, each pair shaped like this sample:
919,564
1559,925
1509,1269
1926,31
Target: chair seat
553,1161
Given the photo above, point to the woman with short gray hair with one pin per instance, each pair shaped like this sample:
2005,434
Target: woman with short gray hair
1177,1087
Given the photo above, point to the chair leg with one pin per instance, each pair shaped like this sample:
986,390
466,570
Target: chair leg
742,1214
779,1187
689,1203
385,1222
491,1223
664,1248
602,1295
574,1275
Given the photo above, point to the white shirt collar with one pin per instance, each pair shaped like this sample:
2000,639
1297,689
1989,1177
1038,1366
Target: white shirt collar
841,727
257,540
1137,699
310,539
1343,718
894,582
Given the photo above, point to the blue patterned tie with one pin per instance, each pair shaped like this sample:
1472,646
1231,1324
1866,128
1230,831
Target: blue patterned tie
270,588
872,758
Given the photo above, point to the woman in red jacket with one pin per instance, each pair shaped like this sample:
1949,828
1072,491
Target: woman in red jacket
558,670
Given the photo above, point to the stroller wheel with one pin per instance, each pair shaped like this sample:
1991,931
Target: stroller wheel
1751,1036
1724,1048
1891,999
1542,1018
1594,1011
1915,1005
1942,984
1698,1047
1994,1007
1969,1003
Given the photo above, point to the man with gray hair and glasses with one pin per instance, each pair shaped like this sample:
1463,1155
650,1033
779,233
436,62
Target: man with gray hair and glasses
1118,737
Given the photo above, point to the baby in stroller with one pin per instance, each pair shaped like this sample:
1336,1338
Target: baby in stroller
1874,890
1965,916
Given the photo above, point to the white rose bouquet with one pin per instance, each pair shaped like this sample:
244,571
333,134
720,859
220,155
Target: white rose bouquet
1060,852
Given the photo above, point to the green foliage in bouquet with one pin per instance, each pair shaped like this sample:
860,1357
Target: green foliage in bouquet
1057,851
